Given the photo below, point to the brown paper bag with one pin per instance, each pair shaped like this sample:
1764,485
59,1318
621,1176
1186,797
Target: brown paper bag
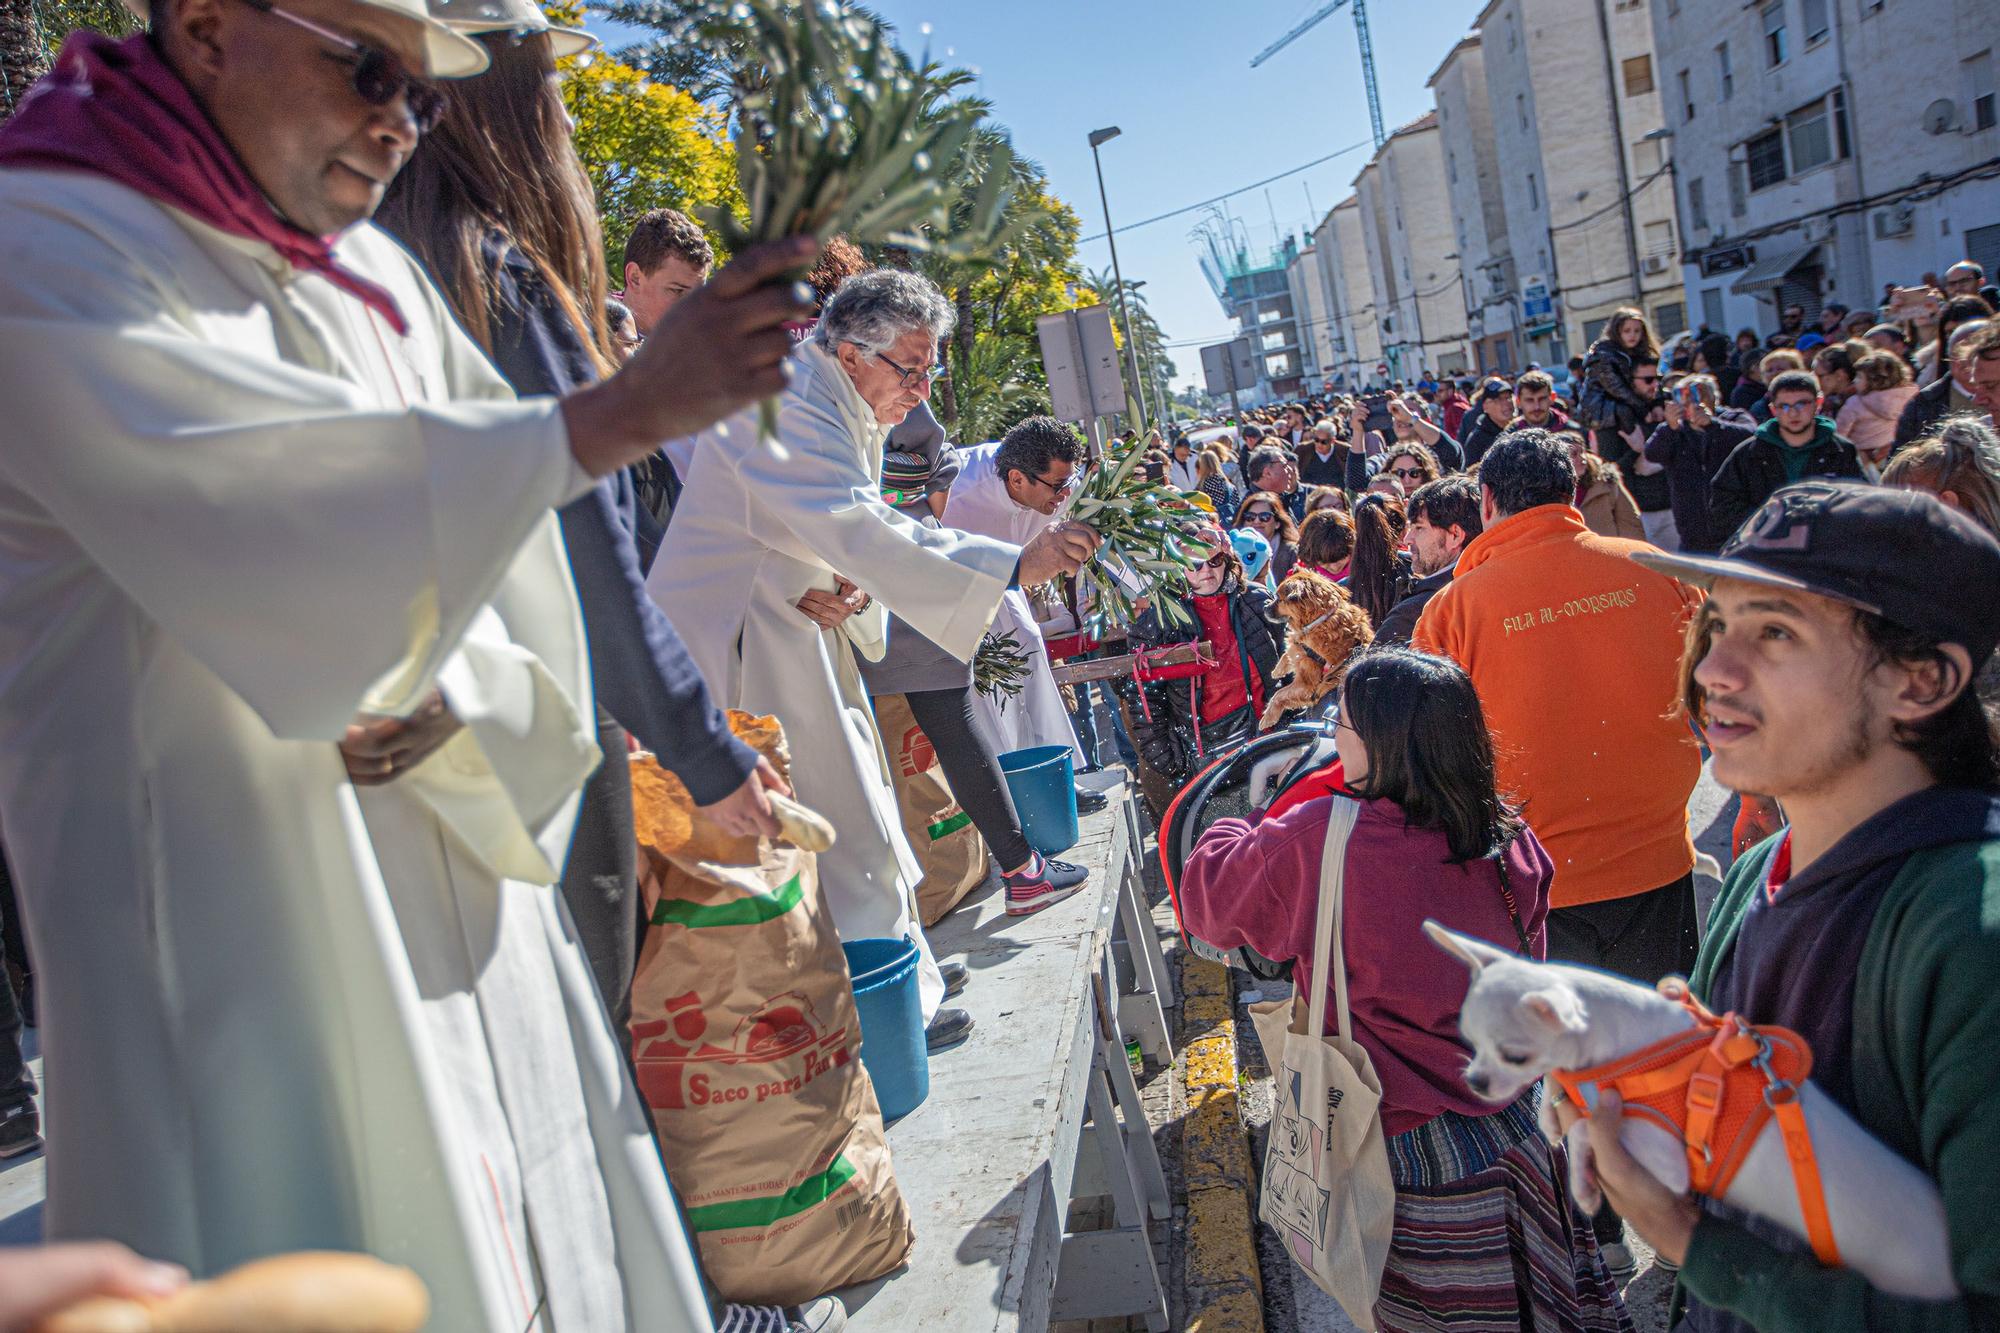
746,1045
949,849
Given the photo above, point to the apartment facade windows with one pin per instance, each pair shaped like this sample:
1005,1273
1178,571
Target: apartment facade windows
1810,132
1725,72
1638,72
1776,45
1697,205
1979,90
1764,160
1687,97
1814,19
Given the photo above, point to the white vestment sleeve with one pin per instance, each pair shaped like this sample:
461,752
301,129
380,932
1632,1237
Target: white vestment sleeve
316,552
815,481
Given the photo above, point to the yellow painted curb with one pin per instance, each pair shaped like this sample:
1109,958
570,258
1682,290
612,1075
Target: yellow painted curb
1215,1148
1211,1060
1220,1247
1239,1310
1223,1288
1199,976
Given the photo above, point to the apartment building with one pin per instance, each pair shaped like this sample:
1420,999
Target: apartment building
1355,347
1487,277
1413,260
1314,317
1826,148
1573,97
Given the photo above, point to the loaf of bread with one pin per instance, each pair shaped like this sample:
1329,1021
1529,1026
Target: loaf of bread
807,830
307,1292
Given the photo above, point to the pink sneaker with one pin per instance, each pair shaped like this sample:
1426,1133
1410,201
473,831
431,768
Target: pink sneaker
1040,883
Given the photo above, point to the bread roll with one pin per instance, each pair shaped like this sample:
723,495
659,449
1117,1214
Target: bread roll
307,1292
807,830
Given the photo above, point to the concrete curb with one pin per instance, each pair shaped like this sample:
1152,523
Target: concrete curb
1223,1289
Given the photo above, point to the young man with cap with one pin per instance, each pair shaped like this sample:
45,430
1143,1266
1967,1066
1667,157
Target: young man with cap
281,556
1495,410
1832,667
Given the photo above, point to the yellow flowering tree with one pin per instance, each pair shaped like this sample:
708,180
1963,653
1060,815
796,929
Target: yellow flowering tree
646,146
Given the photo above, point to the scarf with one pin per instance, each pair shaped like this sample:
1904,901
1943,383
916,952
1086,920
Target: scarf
118,110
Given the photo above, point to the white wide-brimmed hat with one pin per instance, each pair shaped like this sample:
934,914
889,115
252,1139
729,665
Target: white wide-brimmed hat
448,54
477,16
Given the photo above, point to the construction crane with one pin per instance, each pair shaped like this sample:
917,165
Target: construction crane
1367,54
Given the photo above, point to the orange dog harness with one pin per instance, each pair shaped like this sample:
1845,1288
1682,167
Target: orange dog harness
1715,1087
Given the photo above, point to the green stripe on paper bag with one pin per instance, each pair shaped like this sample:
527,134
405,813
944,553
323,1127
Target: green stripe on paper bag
808,1193
944,828
750,910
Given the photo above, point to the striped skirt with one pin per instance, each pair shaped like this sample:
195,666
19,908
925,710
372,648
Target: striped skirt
1486,1235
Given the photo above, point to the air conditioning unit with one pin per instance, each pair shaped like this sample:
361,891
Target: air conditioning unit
1898,221
1655,264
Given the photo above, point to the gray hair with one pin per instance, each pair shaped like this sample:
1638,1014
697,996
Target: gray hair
873,309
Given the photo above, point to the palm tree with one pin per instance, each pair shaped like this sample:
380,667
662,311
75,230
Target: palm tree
23,58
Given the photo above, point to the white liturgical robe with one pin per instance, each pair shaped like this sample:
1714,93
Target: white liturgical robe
760,522
237,507
979,502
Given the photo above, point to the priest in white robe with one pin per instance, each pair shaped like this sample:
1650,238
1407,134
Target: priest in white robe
763,521
254,482
1013,490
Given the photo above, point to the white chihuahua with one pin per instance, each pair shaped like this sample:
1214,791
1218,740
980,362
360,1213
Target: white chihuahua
1524,1019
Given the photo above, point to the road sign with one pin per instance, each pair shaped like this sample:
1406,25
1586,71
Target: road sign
1229,367
1081,358
1538,306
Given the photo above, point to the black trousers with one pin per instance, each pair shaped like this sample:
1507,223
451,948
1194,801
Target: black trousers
973,770
601,878
17,1085
1644,937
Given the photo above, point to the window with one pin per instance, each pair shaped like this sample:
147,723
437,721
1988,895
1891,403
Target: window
1811,134
1813,16
1711,307
1534,194
1764,159
1687,96
1776,48
1521,108
1510,32
1979,89
1638,73
1669,318
1728,75
1738,203
1697,205
1660,238
1451,166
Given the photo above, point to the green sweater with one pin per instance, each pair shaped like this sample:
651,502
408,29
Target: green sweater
1926,1062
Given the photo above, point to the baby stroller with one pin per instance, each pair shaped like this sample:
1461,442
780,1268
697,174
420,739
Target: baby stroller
1241,781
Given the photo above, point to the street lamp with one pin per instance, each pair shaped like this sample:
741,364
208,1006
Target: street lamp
1098,137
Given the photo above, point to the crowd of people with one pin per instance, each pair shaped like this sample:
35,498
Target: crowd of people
357,532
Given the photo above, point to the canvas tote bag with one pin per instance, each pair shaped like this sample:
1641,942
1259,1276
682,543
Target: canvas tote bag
1327,1189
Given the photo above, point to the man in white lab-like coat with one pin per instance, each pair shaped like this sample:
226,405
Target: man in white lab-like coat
1013,490
765,521
294,700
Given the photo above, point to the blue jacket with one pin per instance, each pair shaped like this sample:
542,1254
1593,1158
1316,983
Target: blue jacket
639,668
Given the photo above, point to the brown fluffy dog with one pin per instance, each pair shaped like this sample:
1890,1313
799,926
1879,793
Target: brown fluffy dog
1338,629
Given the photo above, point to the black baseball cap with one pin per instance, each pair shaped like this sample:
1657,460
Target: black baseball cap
1901,554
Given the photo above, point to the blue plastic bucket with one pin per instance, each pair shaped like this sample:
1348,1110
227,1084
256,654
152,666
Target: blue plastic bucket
884,973
1043,781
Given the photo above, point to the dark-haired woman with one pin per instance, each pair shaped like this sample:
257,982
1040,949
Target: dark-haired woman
1264,513
1326,542
1486,1234
496,205
1379,574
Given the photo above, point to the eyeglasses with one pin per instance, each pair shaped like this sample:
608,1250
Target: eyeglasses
1790,409
1063,487
905,374
378,77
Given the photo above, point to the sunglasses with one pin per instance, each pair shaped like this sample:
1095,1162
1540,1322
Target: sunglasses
1260,516
1216,561
1406,472
905,375
378,77
1062,487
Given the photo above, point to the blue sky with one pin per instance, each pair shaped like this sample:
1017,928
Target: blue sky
1175,76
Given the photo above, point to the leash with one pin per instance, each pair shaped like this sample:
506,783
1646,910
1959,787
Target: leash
1715,1087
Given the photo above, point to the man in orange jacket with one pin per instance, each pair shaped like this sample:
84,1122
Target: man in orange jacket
1575,651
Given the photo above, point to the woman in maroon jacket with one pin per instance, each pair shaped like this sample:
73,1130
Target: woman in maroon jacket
1484,1228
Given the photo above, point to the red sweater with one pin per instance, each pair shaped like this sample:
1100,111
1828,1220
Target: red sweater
1258,885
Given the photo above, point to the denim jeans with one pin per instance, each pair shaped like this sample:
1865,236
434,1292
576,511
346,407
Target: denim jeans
1085,719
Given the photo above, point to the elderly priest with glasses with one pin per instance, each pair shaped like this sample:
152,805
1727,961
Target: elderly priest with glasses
766,521
294,697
